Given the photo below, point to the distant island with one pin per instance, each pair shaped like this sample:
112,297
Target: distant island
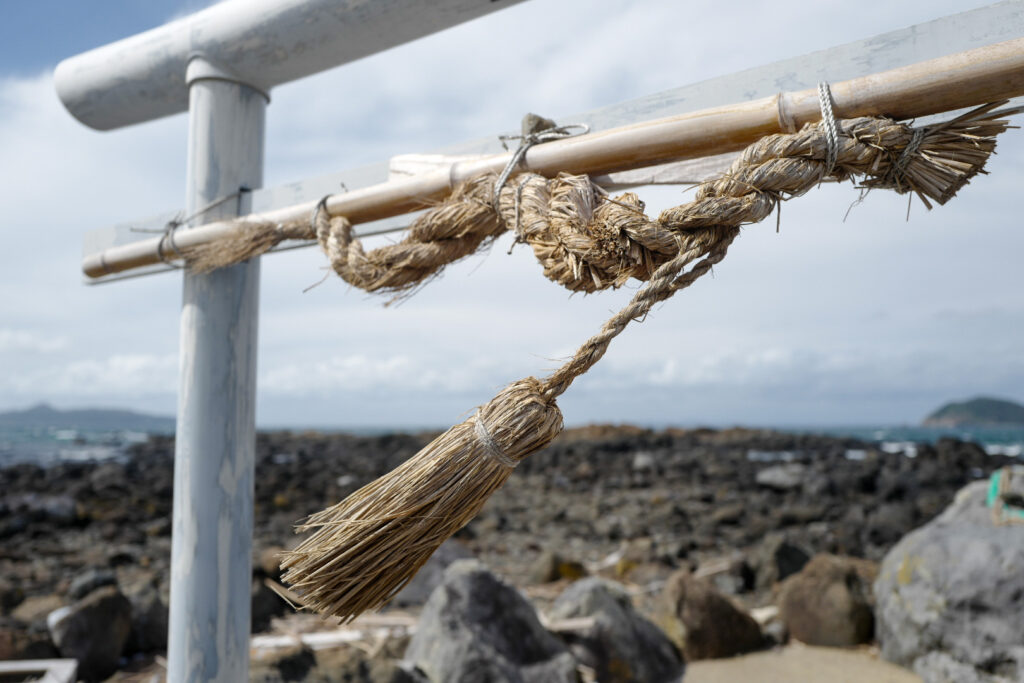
977,412
100,419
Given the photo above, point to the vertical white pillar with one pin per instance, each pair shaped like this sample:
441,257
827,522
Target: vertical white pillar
211,553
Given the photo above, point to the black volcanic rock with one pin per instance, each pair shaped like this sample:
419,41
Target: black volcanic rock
475,627
620,645
623,502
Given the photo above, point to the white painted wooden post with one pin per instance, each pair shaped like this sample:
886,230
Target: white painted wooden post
211,554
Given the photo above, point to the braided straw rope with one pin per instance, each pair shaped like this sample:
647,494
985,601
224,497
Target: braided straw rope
367,547
587,242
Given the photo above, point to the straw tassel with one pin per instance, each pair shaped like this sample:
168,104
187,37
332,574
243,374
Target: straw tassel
367,547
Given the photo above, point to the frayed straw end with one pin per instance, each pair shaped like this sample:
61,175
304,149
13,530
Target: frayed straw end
368,546
949,155
247,241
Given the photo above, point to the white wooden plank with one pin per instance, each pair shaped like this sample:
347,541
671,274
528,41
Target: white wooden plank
262,43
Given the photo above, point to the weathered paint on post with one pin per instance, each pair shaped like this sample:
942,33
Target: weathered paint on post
211,555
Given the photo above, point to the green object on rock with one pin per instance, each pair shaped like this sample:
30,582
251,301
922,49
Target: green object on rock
1006,495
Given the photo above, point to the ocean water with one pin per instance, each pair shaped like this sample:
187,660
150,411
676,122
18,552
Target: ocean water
904,439
49,445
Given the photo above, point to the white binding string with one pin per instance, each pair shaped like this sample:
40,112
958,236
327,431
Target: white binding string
832,129
490,445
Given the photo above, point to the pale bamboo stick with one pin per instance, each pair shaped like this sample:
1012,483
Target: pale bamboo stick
969,78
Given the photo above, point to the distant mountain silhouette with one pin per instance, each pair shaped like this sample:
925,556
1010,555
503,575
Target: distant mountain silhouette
977,412
45,415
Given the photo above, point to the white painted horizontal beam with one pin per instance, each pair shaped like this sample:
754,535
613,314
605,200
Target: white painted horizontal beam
262,43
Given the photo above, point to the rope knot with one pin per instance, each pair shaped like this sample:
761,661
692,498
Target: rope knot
535,130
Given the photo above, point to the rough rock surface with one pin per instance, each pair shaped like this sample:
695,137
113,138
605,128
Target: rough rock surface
939,667
782,477
429,577
712,625
951,595
476,628
94,631
89,580
35,609
623,502
10,595
149,618
264,604
551,566
18,641
283,666
621,646
354,665
829,602
777,559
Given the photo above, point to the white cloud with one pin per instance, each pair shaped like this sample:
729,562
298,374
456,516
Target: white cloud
122,375
867,310
340,373
27,340
380,375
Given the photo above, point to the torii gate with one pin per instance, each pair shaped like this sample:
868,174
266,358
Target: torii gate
219,65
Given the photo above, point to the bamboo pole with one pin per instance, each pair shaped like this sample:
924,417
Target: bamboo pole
963,79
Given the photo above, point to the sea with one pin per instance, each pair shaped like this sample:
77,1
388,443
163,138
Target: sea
46,446
905,439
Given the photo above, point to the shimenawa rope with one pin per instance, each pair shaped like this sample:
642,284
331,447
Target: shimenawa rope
586,241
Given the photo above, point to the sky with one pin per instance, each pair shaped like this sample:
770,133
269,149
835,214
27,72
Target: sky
869,320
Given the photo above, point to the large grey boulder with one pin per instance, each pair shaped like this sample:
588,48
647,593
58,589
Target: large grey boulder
620,646
939,666
476,628
94,631
430,575
950,596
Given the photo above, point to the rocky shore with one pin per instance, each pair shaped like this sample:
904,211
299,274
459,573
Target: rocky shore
699,543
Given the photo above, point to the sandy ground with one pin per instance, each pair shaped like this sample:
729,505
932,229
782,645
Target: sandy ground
797,663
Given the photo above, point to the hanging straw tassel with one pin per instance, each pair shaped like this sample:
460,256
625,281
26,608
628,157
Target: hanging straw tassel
367,547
